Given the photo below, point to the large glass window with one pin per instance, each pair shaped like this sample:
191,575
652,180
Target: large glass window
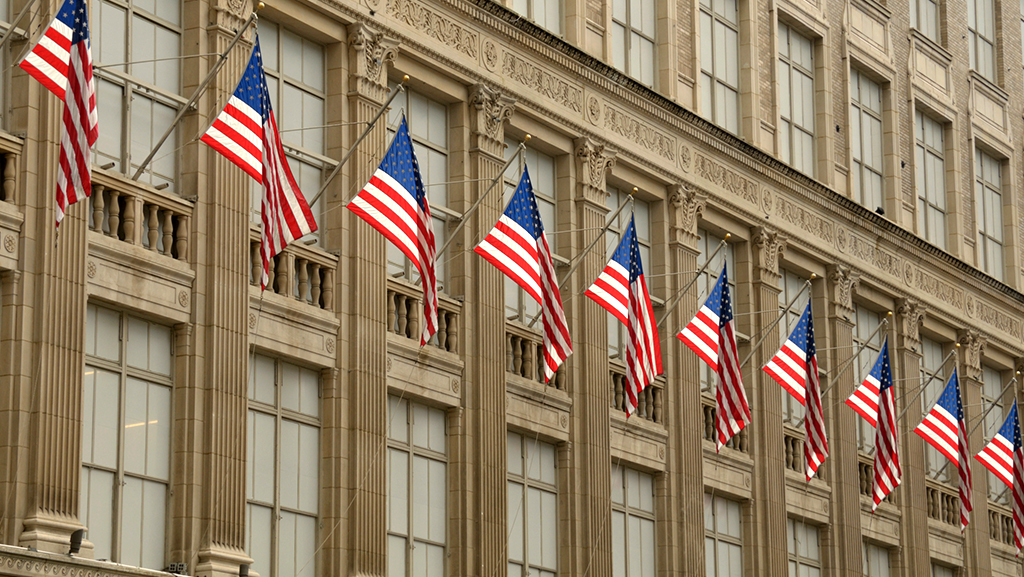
931,180
992,386
933,379
723,537
865,321
981,23
804,549
876,561
633,541
295,69
720,62
532,508
138,77
866,139
790,285
519,305
707,244
796,99
282,467
126,437
924,15
618,333
942,571
417,489
633,29
545,13
988,187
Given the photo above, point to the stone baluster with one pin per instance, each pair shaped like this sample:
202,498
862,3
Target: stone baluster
130,211
152,216
168,223
302,265
97,207
257,263
10,174
181,238
328,290
453,334
114,220
314,275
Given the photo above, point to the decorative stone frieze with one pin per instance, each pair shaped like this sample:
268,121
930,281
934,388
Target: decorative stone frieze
491,109
910,316
687,206
972,346
371,51
430,22
842,281
769,245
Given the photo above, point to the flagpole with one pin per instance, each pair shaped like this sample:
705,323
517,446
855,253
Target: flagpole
776,321
14,24
465,216
981,420
337,168
677,298
955,351
849,362
199,91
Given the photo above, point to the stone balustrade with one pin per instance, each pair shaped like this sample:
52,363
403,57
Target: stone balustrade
300,272
1000,525
524,355
140,215
739,442
405,314
943,504
649,405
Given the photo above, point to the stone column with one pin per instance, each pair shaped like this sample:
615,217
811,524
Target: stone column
842,553
588,493
770,549
977,546
362,350
685,454
910,496
479,446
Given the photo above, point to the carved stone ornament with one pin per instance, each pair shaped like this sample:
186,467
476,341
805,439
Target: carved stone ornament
237,7
770,245
842,281
911,316
972,346
687,207
371,51
595,161
493,109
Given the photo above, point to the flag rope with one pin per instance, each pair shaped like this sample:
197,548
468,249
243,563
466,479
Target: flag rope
806,285
677,298
954,352
849,362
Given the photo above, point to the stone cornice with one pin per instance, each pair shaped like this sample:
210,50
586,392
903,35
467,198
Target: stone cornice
20,562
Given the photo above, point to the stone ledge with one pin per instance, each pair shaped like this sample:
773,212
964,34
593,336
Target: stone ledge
20,562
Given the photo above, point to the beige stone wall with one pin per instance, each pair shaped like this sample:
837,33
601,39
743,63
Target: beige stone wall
189,261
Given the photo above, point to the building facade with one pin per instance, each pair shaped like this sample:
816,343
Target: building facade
152,395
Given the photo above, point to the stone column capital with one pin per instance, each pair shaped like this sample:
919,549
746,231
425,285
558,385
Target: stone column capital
910,316
842,282
688,204
769,245
489,109
972,346
594,161
371,52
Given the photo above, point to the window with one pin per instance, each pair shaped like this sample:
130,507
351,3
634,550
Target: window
138,101
933,379
417,489
618,333
707,244
942,571
126,437
283,467
5,57
790,285
632,523
723,538
866,140
544,13
865,321
720,62
796,99
804,549
532,508
633,24
924,15
988,185
428,129
931,181
297,96
519,305
876,561
981,23
991,389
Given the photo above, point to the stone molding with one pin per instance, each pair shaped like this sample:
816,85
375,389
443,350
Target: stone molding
688,205
769,245
492,109
594,160
910,315
371,53
842,282
972,347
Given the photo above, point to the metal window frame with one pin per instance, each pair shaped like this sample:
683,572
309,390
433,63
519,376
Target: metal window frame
627,44
795,557
793,66
858,104
985,237
630,511
924,188
712,71
526,483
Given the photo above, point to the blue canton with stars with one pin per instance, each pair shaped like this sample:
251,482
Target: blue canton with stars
803,333
950,398
400,163
882,369
720,301
252,88
627,253
73,14
523,207
1011,428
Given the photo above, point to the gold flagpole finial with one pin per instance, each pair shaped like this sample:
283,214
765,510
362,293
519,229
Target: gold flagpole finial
260,6
728,236
527,138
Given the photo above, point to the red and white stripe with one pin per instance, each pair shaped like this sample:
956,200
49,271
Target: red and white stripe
557,343
611,291
237,133
789,368
939,428
888,473
1018,498
643,352
514,251
48,62
702,335
864,400
391,209
997,456
733,411
816,441
964,468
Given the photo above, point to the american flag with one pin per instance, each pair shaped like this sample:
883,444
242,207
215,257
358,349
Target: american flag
1004,456
622,291
712,335
517,247
62,61
888,473
864,399
246,133
795,367
395,203
944,428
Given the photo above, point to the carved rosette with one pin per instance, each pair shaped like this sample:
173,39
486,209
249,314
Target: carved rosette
972,347
687,206
370,54
910,316
842,281
595,160
768,248
492,109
